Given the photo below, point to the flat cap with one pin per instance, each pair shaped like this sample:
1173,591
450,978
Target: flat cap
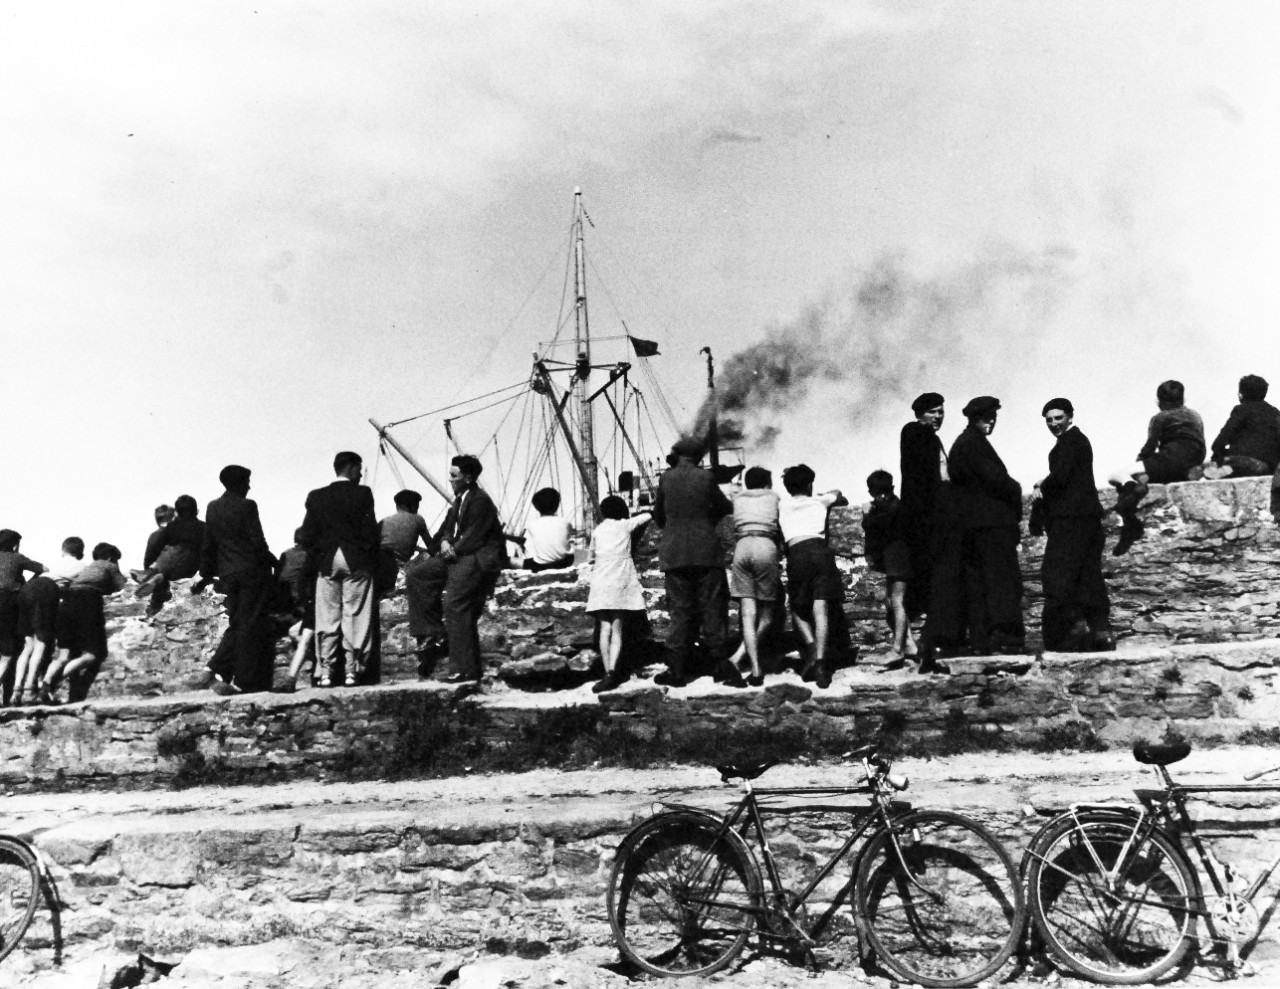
1059,403
980,406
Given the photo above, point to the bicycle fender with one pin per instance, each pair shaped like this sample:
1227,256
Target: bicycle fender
709,820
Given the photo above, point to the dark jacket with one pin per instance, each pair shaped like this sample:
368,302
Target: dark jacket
1069,491
155,543
341,516
985,493
688,506
233,540
1252,430
477,530
920,467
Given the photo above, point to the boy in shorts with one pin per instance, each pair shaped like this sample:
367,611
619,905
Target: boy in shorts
38,617
887,553
755,580
82,629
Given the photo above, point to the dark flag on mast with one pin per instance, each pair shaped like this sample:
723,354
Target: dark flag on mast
643,348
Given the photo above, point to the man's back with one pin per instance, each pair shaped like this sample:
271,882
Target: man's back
341,516
233,540
688,505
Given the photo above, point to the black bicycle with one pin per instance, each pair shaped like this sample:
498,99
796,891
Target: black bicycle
1112,890
937,899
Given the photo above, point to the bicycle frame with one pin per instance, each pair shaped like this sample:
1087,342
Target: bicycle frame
747,814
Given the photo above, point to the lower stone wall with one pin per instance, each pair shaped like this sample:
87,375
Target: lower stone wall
511,875
1221,693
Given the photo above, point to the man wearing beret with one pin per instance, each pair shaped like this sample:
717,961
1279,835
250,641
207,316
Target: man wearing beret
1072,568
235,552
688,505
932,532
990,505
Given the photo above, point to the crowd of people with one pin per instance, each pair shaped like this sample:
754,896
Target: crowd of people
946,545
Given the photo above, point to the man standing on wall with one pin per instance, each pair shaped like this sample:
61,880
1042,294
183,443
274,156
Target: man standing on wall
688,506
1072,568
341,530
990,506
235,552
447,591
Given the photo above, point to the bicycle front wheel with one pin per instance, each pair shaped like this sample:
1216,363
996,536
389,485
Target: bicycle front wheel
19,892
682,897
1112,912
940,899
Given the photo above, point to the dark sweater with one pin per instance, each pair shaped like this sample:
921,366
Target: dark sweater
1252,430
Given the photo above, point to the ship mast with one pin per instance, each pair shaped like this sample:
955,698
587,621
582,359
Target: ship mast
582,348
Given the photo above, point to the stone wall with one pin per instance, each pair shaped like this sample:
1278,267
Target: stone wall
1217,692
522,872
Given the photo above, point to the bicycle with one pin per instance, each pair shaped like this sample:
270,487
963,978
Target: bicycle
21,872
937,898
1112,891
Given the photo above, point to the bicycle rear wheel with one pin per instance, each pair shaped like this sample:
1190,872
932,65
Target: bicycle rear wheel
948,910
1131,929
19,892
682,899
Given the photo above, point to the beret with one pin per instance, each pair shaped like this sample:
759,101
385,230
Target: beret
233,475
1058,403
980,406
929,400
689,446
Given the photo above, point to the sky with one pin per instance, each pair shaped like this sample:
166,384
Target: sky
232,233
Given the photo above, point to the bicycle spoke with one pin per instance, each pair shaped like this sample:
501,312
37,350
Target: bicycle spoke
19,893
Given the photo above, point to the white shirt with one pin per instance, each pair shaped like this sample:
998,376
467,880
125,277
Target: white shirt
804,516
547,538
66,568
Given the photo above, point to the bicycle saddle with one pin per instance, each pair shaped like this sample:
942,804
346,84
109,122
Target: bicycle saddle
1151,754
748,771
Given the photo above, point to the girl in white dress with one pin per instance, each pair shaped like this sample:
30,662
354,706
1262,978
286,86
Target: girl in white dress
615,584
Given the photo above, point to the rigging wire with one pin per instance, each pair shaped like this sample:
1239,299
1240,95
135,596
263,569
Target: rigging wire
445,408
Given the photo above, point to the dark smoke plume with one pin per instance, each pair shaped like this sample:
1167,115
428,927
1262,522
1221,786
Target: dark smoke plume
890,335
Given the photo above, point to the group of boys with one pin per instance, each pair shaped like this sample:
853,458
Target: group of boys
52,627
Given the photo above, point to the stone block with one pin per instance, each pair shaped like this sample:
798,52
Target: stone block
158,858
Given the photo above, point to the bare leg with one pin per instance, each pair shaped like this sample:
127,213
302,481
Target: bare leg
5,663
607,655
20,671
903,643
53,675
34,666
614,652
821,634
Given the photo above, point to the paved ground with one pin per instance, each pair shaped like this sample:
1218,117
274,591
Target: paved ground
978,784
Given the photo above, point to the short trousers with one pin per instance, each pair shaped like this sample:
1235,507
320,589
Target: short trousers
755,572
897,561
38,609
81,625
10,640
812,576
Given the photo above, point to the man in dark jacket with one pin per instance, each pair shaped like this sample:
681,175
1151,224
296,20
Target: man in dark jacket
235,552
341,531
1072,567
933,533
990,506
688,505
447,591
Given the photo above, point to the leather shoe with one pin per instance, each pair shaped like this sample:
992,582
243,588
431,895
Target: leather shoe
1103,642
457,678
669,679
